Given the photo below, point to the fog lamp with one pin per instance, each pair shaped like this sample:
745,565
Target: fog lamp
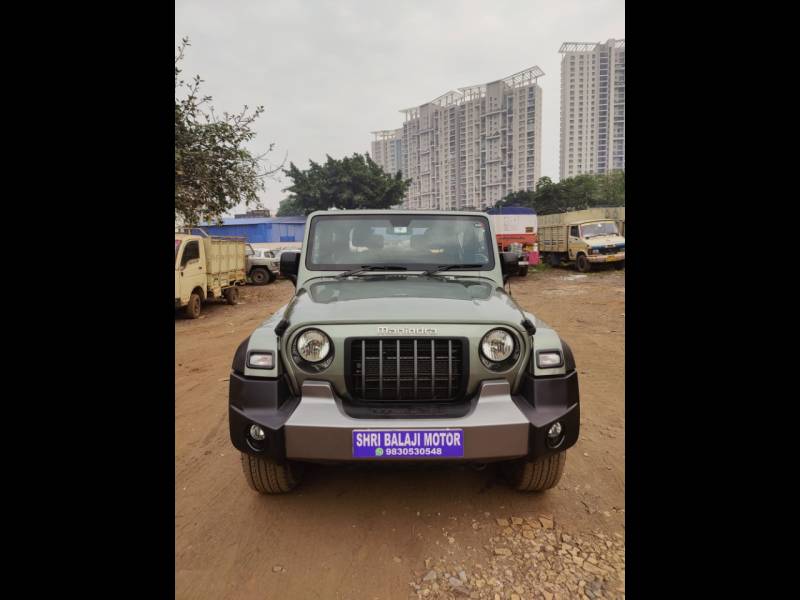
257,433
555,435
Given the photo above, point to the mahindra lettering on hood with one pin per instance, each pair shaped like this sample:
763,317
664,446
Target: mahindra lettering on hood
401,344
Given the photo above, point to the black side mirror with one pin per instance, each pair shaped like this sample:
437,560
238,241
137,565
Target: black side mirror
290,265
509,264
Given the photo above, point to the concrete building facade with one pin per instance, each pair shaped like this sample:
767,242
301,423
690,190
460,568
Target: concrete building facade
387,150
592,108
470,147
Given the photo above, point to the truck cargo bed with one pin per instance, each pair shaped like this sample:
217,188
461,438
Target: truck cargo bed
225,260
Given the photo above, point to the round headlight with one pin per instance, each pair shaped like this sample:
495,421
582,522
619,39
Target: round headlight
313,345
497,345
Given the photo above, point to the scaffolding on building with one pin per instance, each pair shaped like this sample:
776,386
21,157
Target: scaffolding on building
589,46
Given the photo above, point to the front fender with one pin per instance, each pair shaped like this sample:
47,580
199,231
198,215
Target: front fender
264,339
546,338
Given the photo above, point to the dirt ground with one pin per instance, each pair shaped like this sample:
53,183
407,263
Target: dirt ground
390,531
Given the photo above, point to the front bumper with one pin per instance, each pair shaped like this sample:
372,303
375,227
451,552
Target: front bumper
315,427
602,258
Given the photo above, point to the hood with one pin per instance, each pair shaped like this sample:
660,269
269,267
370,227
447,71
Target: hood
403,298
605,240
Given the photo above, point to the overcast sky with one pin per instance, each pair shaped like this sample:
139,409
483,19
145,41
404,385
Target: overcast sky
330,72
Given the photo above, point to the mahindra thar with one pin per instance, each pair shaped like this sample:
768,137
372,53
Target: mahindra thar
401,344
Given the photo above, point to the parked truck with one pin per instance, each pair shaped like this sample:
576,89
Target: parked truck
515,228
583,238
261,265
207,267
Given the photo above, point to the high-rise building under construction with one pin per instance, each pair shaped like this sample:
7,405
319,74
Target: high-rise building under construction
469,147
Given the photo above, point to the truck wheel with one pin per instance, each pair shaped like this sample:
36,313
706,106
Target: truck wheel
537,476
272,276
266,476
194,307
582,263
259,276
231,295
619,265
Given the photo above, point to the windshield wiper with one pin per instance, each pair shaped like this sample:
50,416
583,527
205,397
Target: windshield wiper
364,268
450,268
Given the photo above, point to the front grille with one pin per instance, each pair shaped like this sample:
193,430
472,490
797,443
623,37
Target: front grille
613,250
406,369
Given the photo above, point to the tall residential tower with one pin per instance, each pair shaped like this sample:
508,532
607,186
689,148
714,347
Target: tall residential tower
471,147
592,107
387,150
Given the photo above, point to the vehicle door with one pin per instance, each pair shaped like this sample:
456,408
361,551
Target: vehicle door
177,272
574,240
191,269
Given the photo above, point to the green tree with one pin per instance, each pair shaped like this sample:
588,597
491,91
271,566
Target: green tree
289,207
214,171
353,182
518,198
612,189
579,192
575,193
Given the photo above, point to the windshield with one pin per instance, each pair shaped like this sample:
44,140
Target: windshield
595,229
416,242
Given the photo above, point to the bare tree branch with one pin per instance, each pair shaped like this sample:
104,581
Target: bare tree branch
214,170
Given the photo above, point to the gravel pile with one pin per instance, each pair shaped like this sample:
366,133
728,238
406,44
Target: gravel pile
530,558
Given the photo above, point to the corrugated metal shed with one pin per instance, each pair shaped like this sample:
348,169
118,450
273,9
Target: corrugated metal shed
262,229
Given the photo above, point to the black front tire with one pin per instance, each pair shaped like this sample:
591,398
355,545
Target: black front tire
582,263
537,476
194,307
619,265
266,476
259,276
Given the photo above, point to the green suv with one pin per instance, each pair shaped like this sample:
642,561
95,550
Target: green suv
401,344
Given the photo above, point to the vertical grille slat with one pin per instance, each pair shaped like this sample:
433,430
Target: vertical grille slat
380,369
449,367
433,368
403,369
416,379
398,368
